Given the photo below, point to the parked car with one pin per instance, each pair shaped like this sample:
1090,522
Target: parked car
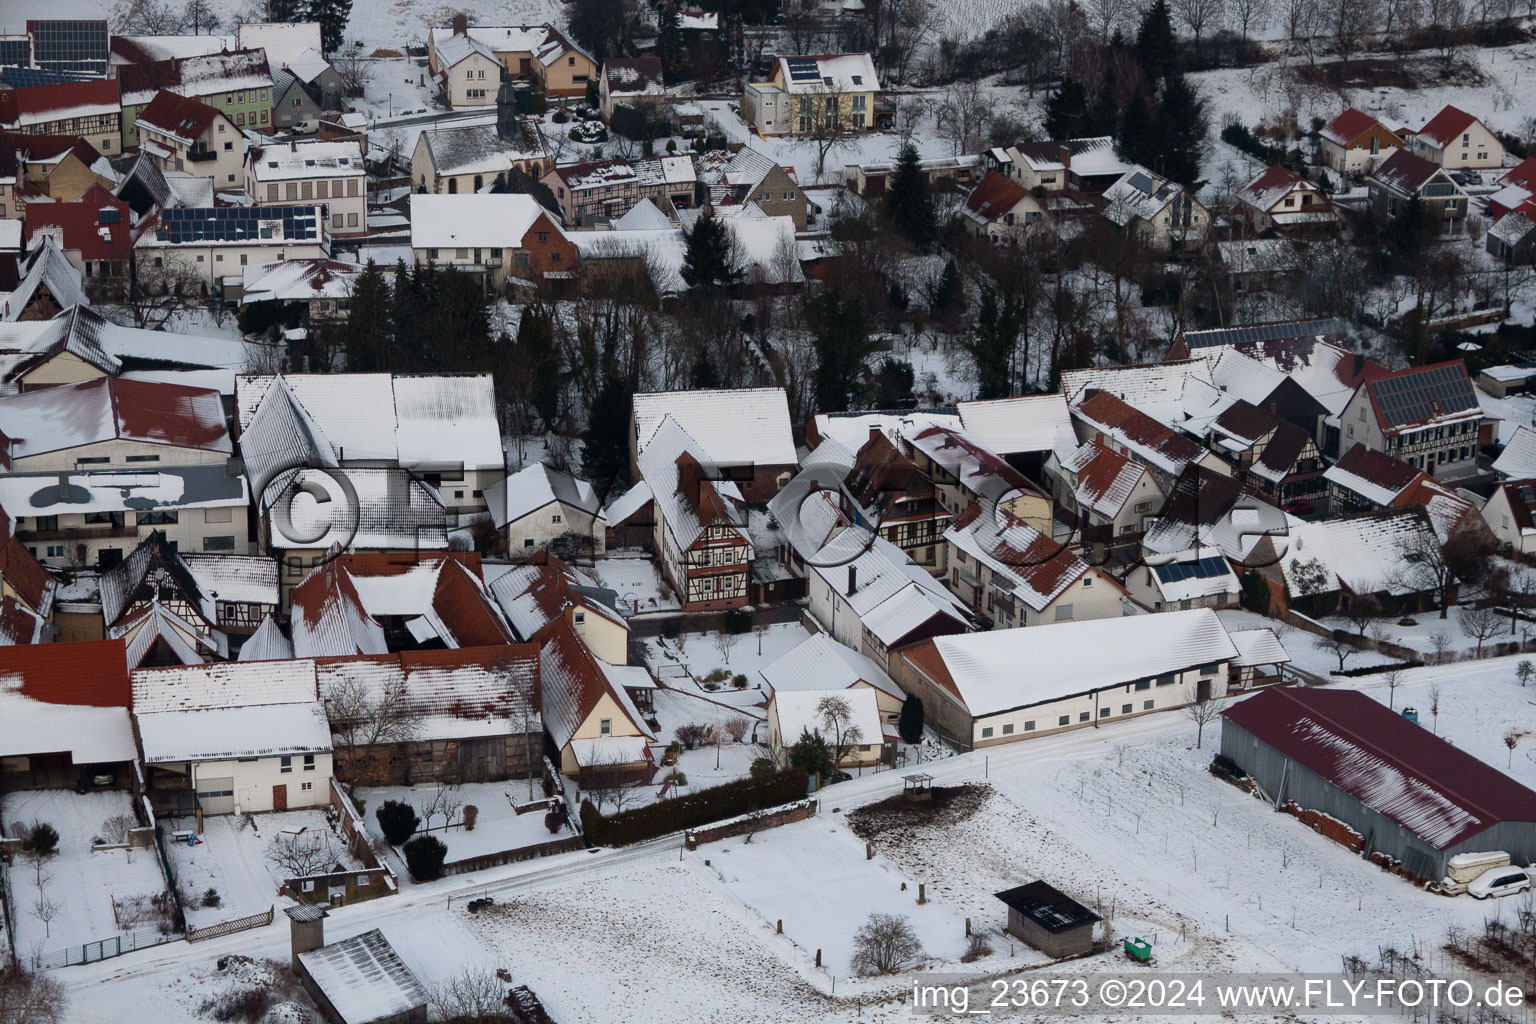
1495,882
1299,508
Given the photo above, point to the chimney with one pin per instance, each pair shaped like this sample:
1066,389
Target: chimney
306,929
689,476
875,433
853,579
1064,154
460,25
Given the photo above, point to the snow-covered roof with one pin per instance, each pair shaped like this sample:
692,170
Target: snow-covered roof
767,247
110,409
454,50
1028,423
534,487
307,66
628,503
821,663
299,160
796,713
1375,476
329,617
1024,562
394,511
643,216
363,979
481,220
201,75
745,426
686,498
1363,552
979,471
1258,647
267,644
1272,185
450,694
1151,441
892,595
66,697
217,734
1105,478
111,347
851,429
662,249
481,148
1160,390
1349,126
1193,574
447,419
1513,228
1139,194
47,268
1073,657
284,42
832,72
1518,459
122,490
634,76
572,683
299,280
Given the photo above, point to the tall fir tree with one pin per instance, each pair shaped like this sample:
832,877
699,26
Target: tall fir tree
1157,49
535,346
1066,112
367,336
991,344
1186,127
332,16
908,202
710,256
948,300
839,319
910,724
669,43
1137,136
1104,114
605,442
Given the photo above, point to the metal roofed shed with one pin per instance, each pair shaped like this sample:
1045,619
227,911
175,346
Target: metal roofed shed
1048,919
362,980
1406,794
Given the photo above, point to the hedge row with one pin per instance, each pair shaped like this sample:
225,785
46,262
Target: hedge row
1371,670
1239,135
708,805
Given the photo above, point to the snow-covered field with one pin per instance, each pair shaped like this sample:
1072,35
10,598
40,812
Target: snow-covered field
497,827
78,885
235,858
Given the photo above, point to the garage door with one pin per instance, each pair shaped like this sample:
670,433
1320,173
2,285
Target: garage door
216,796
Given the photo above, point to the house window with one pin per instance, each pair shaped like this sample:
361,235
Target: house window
1083,716
1007,728
605,727
309,762
1087,581
554,519
1064,720
224,543
287,766
1143,684
1029,726
1103,712
1165,680
986,732
306,786
527,542
1146,705
1125,709
1063,612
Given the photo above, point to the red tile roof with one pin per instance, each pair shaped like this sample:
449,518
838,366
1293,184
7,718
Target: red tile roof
48,147
92,673
177,115
1446,125
1109,410
1379,468
39,101
464,607
25,575
1522,174
1400,770
81,226
994,196
1406,171
1350,125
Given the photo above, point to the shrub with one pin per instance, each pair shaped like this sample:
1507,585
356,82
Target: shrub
211,897
398,821
676,776
1371,670
424,856
360,806
717,675
247,1004
692,735
552,821
1407,620
560,117
671,145
471,812
976,947
41,840
762,768
737,621
885,944
739,680
695,809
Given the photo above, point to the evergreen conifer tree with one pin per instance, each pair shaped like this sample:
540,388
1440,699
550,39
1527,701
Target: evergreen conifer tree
908,203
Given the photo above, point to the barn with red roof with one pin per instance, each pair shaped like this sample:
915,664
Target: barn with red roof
1410,795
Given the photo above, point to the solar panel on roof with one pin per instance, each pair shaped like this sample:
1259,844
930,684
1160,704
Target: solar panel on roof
1142,183
69,45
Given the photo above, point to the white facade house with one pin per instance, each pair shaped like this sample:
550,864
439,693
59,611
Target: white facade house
190,136
470,71
244,737
330,174
207,245
1511,514
792,713
980,689
1456,140
539,504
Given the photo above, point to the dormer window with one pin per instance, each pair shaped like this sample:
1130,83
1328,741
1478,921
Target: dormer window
858,79
827,81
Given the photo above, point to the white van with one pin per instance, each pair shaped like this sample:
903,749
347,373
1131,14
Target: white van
1499,882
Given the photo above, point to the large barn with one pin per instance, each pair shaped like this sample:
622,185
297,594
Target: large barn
1411,795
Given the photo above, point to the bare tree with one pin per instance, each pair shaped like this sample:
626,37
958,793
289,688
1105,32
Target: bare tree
1511,739
156,295
144,18
1249,15
1393,678
724,641
45,910
1434,706
608,786
1481,624
363,717
1202,713
1426,567
116,828
1361,612
819,124
1335,644
199,18
28,997
470,995
885,944
1105,16
836,716
1440,643
1198,15
1524,671
963,115
300,854
736,727
353,68
445,799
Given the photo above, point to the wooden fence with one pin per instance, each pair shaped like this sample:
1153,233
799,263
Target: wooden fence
235,924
